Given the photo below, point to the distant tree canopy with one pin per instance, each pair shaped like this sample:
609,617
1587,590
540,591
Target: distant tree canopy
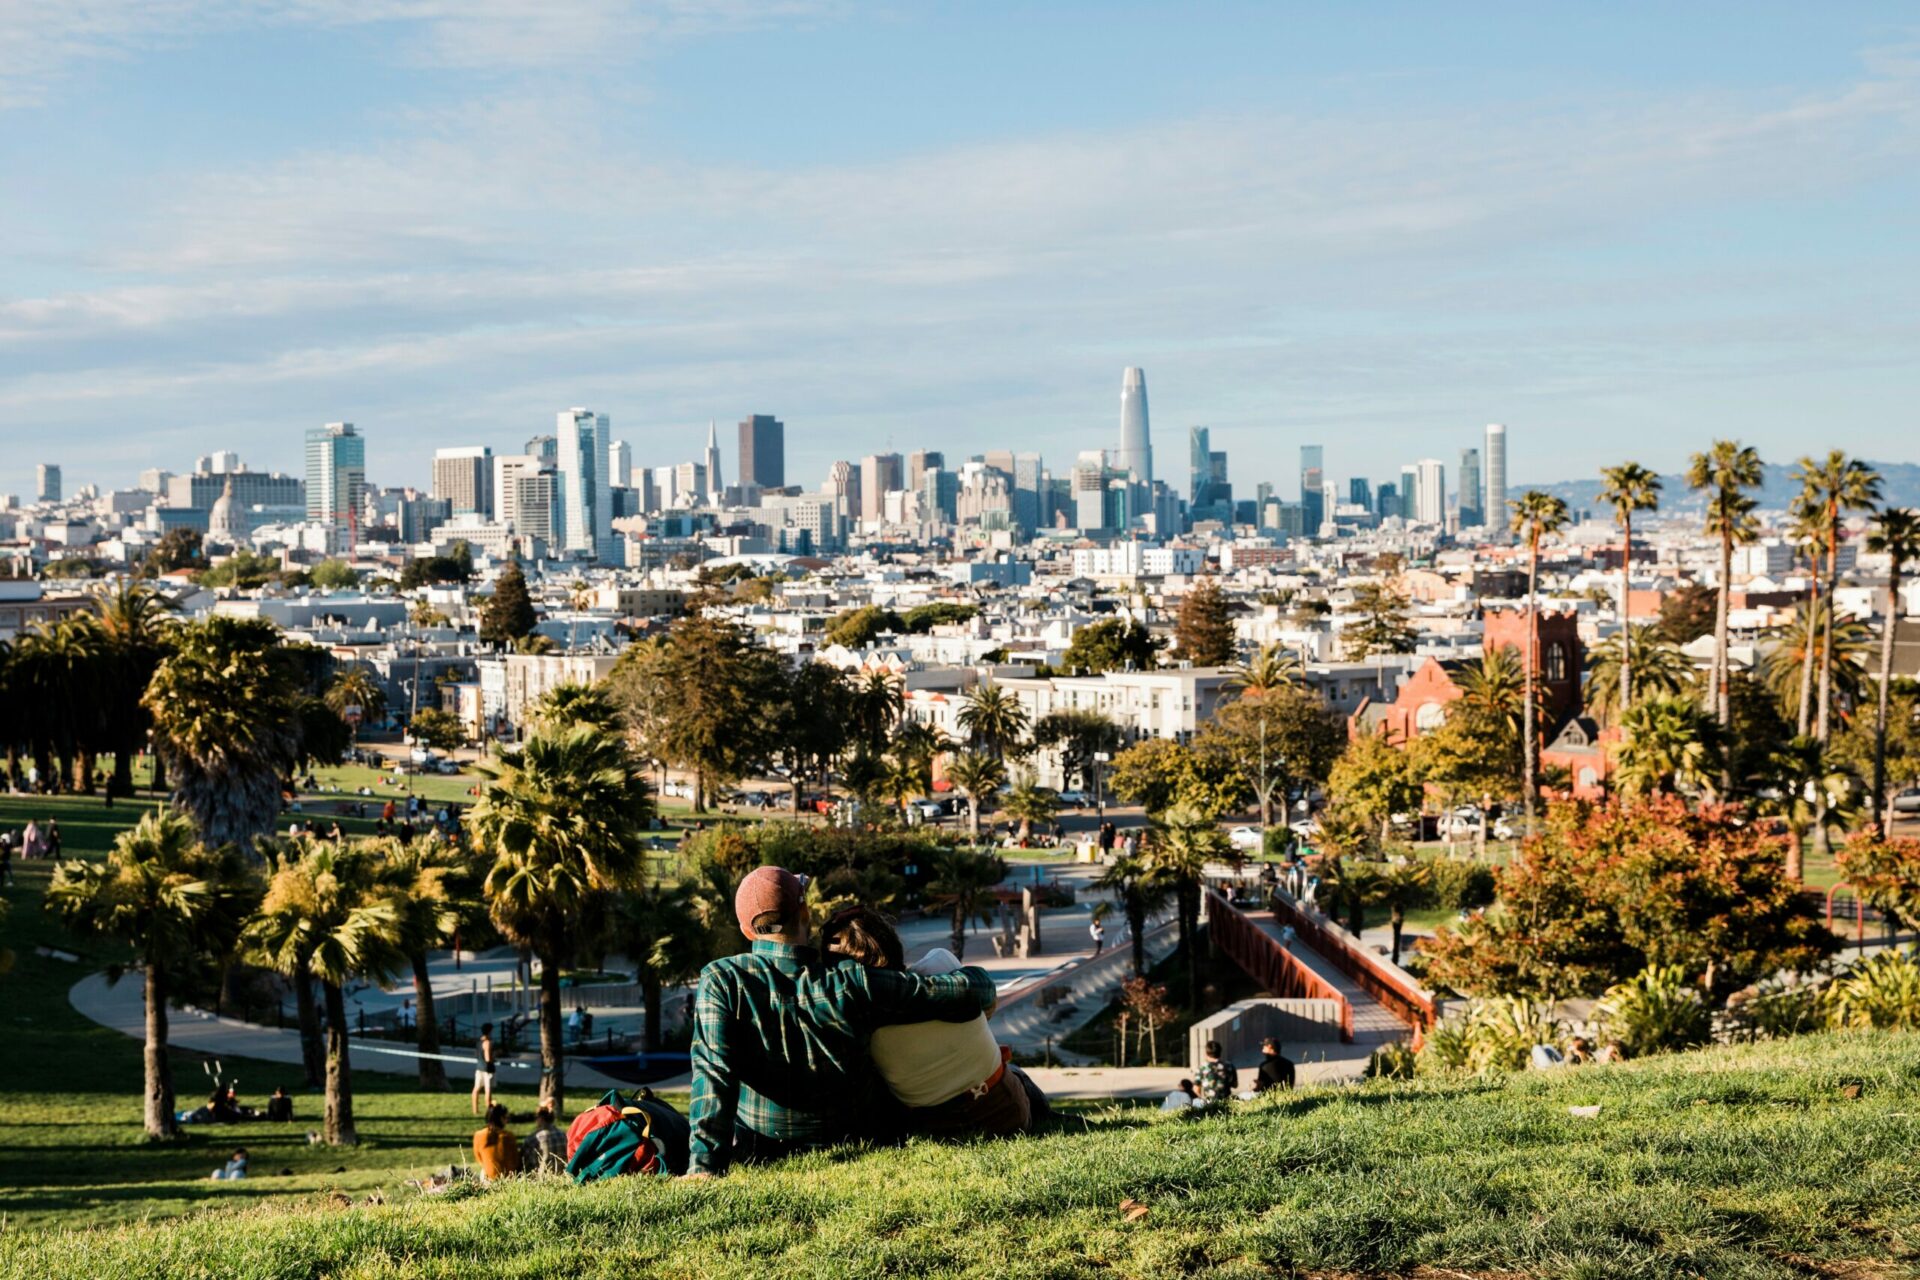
453,565
177,550
858,628
1687,614
924,618
1113,644
243,569
333,575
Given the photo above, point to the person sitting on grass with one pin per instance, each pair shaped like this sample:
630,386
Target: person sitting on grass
1217,1078
779,1034
280,1106
1275,1072
235,1167
545,1150
952,1076
494,1149
1183,1098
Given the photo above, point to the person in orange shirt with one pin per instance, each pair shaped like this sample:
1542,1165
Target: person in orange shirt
494,1149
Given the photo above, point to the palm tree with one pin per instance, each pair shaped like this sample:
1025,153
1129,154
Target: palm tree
1141,890
1896,535
225,706
175,902
1669,744
1809,532
1273,667
1497,685
1798,650
877,702
430,882
572,703
1838,484
975,775
1807,790
560,825
356,697
137,622
1535,514
1661,668
1726,470
1629,487
964,883
994,719
1183,841
1030,802
62,669
327,916
660,930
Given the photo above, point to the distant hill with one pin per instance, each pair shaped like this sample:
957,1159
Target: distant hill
1900,482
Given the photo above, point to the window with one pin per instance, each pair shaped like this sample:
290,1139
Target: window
1589,778
1556,661
1429,717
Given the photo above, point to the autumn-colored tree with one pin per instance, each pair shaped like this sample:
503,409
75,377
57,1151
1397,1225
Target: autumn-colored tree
1885,872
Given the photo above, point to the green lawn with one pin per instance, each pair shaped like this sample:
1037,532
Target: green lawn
1750,1162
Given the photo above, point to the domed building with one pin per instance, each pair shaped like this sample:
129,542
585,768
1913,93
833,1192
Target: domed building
227,523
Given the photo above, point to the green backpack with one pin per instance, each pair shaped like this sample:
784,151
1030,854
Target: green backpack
627,1134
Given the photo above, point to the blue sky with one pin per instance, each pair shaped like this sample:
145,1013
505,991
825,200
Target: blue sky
1620,229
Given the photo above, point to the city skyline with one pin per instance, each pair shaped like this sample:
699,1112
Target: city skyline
1622,232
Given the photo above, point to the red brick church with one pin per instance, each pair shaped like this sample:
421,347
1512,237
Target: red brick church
1571,739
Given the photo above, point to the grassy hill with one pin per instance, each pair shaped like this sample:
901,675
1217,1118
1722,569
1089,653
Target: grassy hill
1791,1159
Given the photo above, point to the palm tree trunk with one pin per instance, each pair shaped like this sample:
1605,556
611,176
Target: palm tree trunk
1529,746
1804,720
1722,661
1886,685
158,782
338,1129
159,1117
797,777
1137,927
433,1072
122,784
1398,918
553,1065
1821,719
1626,627
1190,910
1796,854
973,817
959,936
312,1052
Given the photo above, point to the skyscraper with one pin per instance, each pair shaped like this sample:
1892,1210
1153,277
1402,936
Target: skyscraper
582,467
1473,497
464,477
1430,491
880,474
919,462
1199,466
545,448
508,468
1387,500
1409,491
1090,504
1359,493
1136,453
763,452
1496,506
620,464
1313,499
843,483
715,481
46,482
336,481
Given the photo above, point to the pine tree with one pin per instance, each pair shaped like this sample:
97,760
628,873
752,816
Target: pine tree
509,613
1203,632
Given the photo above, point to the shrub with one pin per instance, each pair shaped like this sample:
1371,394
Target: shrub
1390,1062
1495,1035
1656,1011
1775,1010
1881,991
1459,884
1276,842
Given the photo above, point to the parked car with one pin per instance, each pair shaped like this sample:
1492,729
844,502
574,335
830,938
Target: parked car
446,766
1247,839
1305,828
928,810
1074,799
1907,801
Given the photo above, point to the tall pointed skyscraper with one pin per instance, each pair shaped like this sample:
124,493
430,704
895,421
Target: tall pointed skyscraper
714,483
1136,454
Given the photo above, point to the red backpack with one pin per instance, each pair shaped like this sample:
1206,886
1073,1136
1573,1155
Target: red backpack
626,1135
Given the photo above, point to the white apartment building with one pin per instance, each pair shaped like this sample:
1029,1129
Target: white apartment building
510,684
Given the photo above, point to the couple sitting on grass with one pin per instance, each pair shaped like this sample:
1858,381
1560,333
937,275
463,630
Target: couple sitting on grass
797,1045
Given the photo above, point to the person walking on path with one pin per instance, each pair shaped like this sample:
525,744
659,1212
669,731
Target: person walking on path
484,1069
1098,931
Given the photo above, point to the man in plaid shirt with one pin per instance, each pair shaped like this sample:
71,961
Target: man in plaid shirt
780,1033
1216,1078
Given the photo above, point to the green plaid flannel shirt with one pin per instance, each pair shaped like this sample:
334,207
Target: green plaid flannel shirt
780,1040
1216,1081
